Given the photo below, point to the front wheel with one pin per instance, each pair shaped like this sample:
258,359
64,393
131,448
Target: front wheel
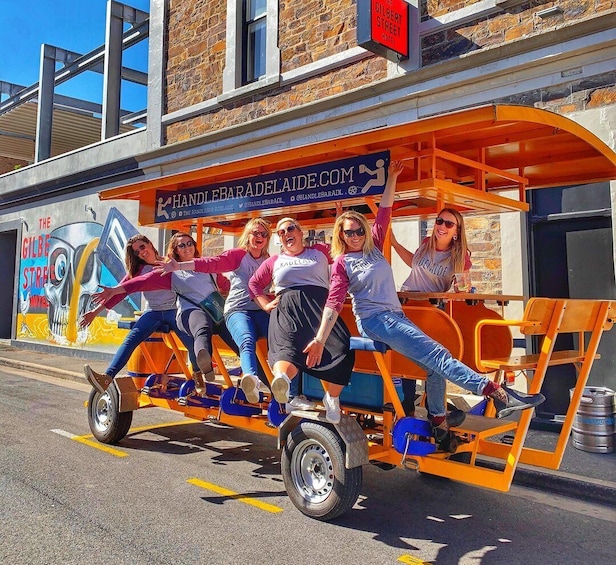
107,423
313,470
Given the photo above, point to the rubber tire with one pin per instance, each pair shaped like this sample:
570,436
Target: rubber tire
107,423
333,489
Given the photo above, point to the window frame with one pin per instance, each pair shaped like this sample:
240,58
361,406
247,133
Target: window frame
235,77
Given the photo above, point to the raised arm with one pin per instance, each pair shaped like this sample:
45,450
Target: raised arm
170,265
394,170
402,251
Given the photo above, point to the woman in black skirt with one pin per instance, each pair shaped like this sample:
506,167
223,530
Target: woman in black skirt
300,276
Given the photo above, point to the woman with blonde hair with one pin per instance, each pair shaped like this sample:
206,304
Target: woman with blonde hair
360,268
439,256
300,277
433,269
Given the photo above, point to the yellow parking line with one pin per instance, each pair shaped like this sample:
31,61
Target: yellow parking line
100,446
242,498
86,439
95,444
412,560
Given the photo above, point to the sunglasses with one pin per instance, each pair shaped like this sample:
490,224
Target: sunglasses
448,224
359,232
184,245
139,249
259,233
290,228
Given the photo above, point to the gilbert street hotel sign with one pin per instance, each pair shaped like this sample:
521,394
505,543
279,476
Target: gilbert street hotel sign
364,175
383,28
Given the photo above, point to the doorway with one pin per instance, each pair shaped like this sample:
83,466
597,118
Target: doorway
8,251
571,256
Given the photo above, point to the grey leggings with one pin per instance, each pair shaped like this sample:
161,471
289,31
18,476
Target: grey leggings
198,324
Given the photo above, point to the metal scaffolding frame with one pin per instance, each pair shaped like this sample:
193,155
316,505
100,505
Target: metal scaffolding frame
106,59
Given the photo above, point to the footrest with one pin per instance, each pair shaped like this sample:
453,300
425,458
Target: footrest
406,434
232,400
483,427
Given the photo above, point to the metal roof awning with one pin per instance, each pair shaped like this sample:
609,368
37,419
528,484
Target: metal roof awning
71,130
465,159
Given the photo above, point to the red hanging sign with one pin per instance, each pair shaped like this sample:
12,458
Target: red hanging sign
383,27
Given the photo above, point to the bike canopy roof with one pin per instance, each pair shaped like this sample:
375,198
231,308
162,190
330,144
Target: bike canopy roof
479,160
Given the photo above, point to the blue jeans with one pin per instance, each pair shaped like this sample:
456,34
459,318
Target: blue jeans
400,334
148,323
246,328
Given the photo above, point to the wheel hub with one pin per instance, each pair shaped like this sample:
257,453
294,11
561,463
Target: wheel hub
312,471
102,411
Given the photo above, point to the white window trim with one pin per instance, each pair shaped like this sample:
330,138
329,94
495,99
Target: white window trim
232,74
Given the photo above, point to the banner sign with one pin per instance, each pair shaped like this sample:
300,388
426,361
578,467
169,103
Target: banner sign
322,182
383,27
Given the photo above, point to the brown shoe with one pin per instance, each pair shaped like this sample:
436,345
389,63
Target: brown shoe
204,360
199,383
98,381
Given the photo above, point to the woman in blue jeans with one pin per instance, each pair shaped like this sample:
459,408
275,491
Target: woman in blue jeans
191,289
361,269
140,258
245,321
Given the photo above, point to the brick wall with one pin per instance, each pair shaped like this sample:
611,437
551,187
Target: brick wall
309,31
515,23
484,240
195,51
313,29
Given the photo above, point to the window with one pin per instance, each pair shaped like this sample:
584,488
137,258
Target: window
252,54
254,40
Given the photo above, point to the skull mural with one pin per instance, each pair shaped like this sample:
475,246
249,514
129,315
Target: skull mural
66,252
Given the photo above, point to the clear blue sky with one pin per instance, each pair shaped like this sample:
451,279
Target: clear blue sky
75,25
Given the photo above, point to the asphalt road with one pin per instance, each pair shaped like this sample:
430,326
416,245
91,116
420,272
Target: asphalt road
179,491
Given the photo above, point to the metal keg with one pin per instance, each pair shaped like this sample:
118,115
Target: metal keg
594,426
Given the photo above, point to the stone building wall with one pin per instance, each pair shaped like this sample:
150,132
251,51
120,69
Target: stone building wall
514,23
308,32
484,240
313,30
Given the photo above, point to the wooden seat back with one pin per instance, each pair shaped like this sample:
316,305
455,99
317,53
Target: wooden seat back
548,318
497,341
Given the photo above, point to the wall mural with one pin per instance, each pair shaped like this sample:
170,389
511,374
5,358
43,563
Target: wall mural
60,269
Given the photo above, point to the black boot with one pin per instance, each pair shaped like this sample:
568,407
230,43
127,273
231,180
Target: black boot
453,419
507,400
409,406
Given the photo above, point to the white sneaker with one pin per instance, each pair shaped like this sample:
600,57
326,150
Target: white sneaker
280,388
300,403
332,408
250,384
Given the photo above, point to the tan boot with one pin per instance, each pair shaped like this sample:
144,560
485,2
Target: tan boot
98,381
204,360
199,383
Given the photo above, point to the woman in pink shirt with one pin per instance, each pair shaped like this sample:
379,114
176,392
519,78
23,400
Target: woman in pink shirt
361,269
300,277
433,268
